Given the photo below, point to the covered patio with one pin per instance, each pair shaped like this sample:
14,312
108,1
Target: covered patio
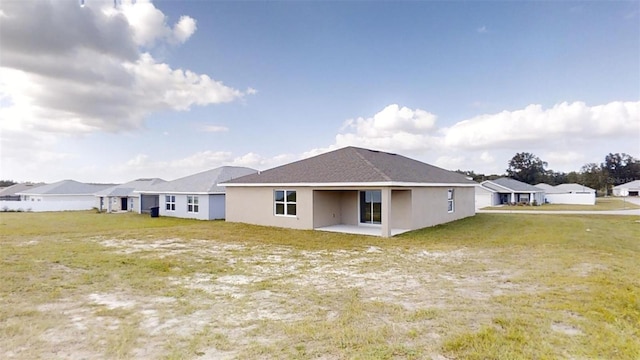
360,230
366,211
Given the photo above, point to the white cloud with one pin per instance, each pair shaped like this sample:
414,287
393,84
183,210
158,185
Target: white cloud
566,158
567,136
184,28
149,24
215,128
534,126
394,127
450,162
68,70
85,70
486,157
482,30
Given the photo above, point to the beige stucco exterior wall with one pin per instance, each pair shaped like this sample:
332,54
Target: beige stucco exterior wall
349,204
254,205
327,208
401,209
411,208
430,205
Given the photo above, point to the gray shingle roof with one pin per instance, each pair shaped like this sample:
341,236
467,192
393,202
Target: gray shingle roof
630,185
66,187
570,188
511,184
127,189
546,187
16,188
204,182
355,165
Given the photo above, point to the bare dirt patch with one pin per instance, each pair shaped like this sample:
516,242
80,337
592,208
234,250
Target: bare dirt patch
218,300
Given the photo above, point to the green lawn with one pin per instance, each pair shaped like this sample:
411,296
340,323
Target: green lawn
601,204
494,286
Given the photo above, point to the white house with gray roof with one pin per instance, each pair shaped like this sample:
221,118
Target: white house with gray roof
199,196
504,191
631,188
60,196
10,193
124,197
351,190
571,193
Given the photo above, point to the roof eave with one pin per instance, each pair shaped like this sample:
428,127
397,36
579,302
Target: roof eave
352,184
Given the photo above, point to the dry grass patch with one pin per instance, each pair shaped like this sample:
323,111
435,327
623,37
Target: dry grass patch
491,286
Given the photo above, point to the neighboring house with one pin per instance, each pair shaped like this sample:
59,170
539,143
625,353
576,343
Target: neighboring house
507,191
60,196
574,194
352,190
10,193
124,198
628,189
197,196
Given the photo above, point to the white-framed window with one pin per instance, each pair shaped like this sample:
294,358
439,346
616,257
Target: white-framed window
170,201
192,204
450,201
285,202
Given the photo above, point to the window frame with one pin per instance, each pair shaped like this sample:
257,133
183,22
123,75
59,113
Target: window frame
285,202
376,198
170,202
193,204
451,204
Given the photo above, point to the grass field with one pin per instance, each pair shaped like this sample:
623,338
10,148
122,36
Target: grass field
81,285
602,204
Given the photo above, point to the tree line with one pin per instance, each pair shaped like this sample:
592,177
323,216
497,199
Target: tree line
616,169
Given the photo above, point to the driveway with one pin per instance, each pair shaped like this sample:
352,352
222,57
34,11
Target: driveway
633,199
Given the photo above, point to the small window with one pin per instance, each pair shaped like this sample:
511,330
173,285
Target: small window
450,201
192,204
285,202
170,201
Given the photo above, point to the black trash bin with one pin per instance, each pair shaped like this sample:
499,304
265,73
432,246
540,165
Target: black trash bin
155,211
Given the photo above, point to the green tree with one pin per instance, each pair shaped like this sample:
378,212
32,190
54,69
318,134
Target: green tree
478,177
527,168
620,169
593,176
5,183
573,178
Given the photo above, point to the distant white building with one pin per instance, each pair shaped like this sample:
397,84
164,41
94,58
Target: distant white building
60,196
572,194
630,189
10,193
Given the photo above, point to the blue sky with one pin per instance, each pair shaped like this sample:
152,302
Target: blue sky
166,89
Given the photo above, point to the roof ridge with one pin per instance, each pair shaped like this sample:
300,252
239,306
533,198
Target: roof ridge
385,176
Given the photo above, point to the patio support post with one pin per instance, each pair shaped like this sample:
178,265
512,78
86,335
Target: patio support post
513,198
386,212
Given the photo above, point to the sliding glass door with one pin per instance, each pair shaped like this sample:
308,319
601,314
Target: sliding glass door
371,207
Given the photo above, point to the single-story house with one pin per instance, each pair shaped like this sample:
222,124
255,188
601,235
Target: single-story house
571,193
507,191
60,196
10,193
124,198
629,189
351,190
198,196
